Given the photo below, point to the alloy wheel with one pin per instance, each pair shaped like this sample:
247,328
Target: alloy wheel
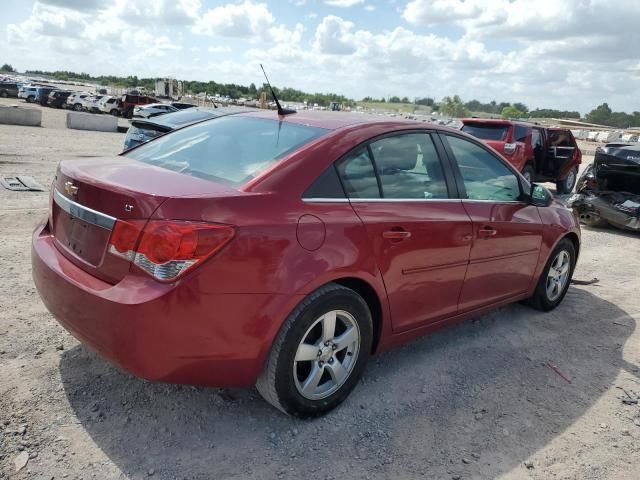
570,180
558,275
326,355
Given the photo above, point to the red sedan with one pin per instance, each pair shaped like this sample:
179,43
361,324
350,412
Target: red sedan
284,251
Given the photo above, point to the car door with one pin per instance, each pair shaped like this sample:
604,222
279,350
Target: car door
507,231
419,231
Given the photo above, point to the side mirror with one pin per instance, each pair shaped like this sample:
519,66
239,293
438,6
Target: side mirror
540,196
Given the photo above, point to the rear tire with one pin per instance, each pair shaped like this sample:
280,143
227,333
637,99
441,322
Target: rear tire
555,278
114,112
567,185
4,94
30,99
319,354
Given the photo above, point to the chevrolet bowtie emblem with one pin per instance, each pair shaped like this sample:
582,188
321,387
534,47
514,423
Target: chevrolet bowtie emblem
70,188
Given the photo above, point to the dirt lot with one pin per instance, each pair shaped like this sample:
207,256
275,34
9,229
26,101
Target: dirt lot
515,394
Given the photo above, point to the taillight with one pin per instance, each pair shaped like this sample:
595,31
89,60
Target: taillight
166,249
510,148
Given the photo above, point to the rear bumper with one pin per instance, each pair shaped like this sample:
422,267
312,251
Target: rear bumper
179,333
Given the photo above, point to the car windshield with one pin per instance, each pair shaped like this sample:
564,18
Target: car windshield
486,131
231,150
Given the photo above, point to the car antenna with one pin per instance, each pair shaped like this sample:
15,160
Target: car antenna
281,111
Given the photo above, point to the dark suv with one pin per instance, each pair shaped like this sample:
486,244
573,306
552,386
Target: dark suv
541,154
8,89
58,98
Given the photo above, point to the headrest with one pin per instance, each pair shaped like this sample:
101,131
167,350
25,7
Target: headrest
396,156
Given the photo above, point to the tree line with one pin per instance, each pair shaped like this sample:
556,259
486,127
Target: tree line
452,106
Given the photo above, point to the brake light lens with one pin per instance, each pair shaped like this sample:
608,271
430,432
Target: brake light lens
166,249
510,148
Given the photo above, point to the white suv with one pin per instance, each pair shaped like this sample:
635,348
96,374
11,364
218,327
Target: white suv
74,100
109,105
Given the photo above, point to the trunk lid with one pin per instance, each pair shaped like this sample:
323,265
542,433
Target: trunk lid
91,194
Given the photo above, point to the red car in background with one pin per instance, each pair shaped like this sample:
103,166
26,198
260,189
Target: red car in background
541,154
283,251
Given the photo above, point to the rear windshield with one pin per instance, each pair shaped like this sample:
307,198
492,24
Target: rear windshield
486,131
231,150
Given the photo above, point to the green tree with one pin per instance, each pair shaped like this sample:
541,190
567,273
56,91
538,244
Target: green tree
453,107
600,115
522,107
427,102
7,68
551,113
512,112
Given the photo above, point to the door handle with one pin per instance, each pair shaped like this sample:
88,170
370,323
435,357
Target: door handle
487,232
396,234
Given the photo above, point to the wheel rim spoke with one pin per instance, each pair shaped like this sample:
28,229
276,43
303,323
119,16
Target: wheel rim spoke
328,326
312,381
346,339
306,352
337,371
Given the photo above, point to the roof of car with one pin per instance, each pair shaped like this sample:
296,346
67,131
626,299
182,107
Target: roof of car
191,115
327,120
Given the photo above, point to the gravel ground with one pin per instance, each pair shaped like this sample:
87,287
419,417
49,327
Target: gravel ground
514,394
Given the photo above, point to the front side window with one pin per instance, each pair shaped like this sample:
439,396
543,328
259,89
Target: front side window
485,177
230,150
409,167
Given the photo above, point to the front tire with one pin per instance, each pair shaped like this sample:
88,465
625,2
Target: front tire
555,278
319,354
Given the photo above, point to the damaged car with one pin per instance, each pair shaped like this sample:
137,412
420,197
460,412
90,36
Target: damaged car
608,192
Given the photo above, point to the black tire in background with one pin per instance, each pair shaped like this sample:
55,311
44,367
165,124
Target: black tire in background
4,94
541,299
567,185
279,382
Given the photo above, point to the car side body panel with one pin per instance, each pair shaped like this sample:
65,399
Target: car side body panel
216,324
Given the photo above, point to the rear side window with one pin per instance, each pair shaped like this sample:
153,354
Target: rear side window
327,185
409,167
358,175
561,138
487,131
230,150
520,133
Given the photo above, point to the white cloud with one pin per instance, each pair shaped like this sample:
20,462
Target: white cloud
571,54
343,3
246,20
218,49
370,8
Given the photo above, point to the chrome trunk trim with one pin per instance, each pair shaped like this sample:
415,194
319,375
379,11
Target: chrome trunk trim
83,213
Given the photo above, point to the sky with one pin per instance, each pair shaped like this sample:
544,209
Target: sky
564,54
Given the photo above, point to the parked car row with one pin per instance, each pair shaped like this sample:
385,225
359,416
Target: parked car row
128,105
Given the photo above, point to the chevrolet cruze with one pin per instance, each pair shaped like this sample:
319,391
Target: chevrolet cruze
283,251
